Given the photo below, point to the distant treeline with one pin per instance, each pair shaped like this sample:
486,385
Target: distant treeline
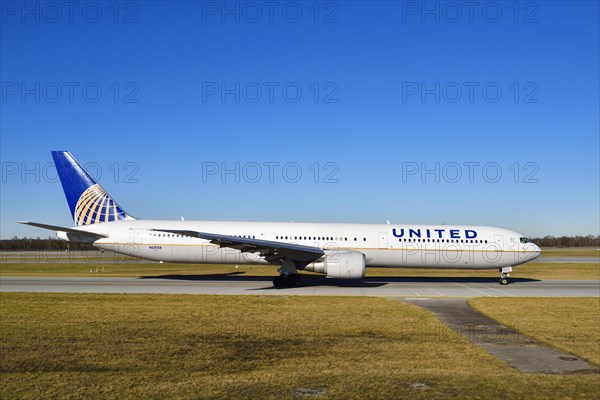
30,244
568,241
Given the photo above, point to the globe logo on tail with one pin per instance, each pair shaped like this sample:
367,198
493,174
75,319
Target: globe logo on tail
95,206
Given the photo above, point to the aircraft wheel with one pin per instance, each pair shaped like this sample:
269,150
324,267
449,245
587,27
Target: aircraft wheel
286,281
503,281
280,282
291,280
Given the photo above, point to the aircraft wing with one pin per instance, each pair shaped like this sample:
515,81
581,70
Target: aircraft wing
270,250
74,231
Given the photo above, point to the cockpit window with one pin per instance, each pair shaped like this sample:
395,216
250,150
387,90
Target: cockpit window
526,240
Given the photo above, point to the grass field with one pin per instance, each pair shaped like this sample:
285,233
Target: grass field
166,346
586,271
111,265
579,333
570,252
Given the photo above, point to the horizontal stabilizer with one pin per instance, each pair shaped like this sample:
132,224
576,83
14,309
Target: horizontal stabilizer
92,235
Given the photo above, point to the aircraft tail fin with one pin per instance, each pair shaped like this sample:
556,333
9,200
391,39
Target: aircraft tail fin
88,201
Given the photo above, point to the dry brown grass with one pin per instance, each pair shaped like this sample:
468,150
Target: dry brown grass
551,271
570,252
186,346
569,324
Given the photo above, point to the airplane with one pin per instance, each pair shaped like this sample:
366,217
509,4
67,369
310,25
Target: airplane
338,250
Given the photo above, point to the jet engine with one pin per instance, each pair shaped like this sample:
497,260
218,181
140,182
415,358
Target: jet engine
344,264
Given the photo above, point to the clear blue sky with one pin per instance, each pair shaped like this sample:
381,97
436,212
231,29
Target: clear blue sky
167,92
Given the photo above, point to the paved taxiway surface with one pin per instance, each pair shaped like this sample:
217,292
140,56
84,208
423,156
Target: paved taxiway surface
569,260
313,286
519,350
35,258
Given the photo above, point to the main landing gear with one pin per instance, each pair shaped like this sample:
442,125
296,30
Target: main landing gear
288,277
286,281
504,274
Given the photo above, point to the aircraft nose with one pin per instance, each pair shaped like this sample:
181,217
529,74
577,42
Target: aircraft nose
536,251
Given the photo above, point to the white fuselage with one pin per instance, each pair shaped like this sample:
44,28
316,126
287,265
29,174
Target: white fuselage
425,246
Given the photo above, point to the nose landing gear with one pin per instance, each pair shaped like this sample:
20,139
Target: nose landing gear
504,274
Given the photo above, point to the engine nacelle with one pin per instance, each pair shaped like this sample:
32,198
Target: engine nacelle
341,264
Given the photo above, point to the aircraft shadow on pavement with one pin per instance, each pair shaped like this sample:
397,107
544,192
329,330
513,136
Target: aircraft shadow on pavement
313,280
306,281
449,279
